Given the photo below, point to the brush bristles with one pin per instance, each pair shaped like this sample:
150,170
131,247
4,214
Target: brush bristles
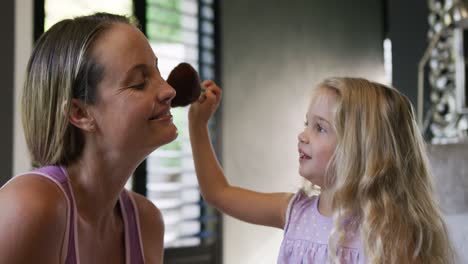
184,79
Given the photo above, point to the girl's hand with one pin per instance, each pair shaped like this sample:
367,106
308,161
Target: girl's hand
201,110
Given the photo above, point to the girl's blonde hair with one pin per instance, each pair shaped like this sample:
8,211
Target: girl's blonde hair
382,183
61,68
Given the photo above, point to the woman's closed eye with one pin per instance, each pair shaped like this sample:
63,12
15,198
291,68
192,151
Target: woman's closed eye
140,85
138,78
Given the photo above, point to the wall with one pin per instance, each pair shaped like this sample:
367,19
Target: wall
407,27
450,171
273,53
16,26
23,47
6,92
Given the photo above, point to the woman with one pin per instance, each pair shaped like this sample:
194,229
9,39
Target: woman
94,106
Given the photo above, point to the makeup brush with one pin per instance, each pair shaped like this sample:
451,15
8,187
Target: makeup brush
185,80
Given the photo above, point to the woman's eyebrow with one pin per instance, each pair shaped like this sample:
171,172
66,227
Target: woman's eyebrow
141,67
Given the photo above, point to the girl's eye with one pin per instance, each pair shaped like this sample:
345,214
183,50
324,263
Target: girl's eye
320,129
306,123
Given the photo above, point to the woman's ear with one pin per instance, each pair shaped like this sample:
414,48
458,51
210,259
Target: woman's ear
80,116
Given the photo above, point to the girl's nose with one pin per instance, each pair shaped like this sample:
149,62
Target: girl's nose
167,94
302,138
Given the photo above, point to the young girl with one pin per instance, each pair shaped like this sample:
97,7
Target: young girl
362,147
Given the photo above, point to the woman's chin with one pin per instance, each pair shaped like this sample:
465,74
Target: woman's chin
170,135
174,134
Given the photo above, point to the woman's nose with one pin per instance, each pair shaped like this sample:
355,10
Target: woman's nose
167,93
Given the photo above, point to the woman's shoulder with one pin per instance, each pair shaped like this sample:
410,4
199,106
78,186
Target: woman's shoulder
34,192
152,228
34,214
146,208
33,197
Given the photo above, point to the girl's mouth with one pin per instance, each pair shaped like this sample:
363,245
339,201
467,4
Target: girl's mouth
303,156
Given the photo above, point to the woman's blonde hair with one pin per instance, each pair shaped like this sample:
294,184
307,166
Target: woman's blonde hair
61,68
382,183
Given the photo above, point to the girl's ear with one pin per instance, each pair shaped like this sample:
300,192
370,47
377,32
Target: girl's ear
80,116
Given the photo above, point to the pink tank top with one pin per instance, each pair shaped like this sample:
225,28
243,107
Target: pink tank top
133,244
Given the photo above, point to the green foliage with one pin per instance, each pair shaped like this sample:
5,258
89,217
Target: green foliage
180,120
164,21
170,162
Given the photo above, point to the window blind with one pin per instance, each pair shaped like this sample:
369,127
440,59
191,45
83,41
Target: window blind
180,31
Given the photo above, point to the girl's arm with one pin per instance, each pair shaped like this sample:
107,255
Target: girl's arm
258,208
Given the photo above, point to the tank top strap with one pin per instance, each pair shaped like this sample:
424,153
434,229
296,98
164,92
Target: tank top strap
57,173
59,176
133,243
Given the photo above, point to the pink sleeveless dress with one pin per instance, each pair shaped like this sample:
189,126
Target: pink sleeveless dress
306,235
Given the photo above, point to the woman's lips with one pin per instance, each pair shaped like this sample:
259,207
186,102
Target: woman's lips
164,115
